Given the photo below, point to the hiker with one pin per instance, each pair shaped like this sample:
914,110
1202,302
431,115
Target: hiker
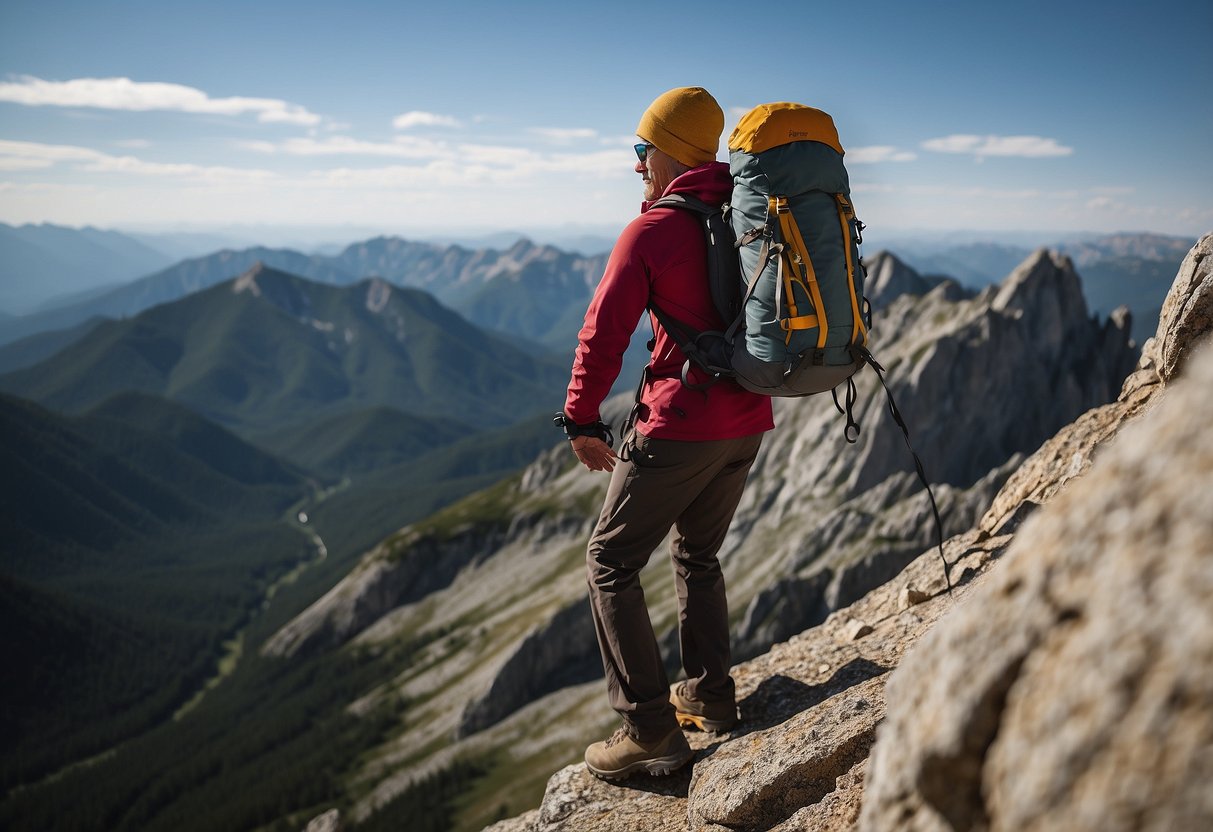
685,464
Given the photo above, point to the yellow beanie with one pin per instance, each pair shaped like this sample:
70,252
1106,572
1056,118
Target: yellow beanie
686,123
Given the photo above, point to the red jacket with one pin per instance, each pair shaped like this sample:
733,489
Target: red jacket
661,257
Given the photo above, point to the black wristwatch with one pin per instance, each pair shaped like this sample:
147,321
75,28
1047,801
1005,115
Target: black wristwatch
599,429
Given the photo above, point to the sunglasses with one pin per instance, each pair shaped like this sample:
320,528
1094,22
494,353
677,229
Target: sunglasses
642,150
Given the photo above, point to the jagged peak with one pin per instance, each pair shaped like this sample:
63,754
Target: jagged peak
1044,272
889,277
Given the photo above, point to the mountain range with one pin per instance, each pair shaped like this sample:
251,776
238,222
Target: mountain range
445,604
270,351
483,284
1131,270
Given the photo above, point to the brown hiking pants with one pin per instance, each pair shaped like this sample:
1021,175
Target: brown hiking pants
694,487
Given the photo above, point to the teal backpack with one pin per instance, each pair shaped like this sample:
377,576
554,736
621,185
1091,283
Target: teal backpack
784,266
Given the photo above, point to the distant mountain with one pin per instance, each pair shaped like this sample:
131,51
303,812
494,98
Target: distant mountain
27,351
532,291
482,285
270,350
973,264
183,245
1141,246
40,262
169,285
1129,269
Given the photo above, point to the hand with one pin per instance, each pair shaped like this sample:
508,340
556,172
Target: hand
593,453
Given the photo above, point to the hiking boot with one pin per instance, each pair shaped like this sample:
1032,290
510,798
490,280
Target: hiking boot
706,716
621,755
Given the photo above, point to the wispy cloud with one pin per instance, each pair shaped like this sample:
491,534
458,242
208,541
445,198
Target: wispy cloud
982,146
878,153
419,118
15,155
565,135
125,94
407,147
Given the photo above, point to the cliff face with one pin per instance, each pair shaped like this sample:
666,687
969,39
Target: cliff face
1066,684
494,587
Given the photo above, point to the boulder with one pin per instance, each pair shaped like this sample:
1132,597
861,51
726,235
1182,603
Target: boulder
1075,689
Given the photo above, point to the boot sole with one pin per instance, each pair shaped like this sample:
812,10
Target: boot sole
657,768
712,726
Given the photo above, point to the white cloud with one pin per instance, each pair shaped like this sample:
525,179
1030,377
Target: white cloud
19,163
1031,147
565,135
48,152
125,94
408,147
474,161
16,155
878,153
133,144
418,118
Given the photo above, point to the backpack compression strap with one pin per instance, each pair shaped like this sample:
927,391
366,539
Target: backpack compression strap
846,216
799,270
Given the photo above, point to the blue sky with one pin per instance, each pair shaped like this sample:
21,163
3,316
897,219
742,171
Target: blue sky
416,118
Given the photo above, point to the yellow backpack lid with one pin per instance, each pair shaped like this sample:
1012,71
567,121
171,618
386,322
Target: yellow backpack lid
772,125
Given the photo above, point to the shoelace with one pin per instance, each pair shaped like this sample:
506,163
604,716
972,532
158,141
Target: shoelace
617,737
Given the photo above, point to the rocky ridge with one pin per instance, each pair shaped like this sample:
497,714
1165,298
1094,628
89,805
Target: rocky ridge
820,526
1067,682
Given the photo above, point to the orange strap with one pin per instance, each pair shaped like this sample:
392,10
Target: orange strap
846,213
804,267
801,322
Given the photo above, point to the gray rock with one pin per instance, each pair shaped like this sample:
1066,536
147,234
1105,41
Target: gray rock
577,800
762,779
1075,690
1187,312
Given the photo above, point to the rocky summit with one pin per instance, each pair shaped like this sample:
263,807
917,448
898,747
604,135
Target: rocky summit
490,594
1065,684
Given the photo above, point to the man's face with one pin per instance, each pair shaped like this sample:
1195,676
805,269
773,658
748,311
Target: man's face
657,171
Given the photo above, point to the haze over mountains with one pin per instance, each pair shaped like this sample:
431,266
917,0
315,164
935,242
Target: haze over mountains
480,283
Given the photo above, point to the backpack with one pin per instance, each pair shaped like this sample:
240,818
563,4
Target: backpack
785,272
783,260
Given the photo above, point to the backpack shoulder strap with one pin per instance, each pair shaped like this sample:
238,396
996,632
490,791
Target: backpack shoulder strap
688,202
724,266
